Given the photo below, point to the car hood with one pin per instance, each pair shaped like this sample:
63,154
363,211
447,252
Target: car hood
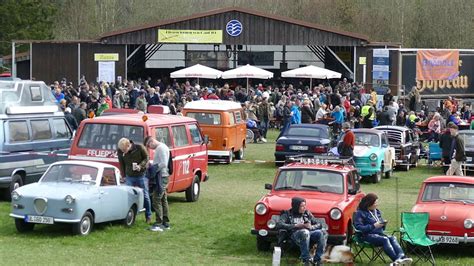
56,190
303,140
317,203
446,212
363,151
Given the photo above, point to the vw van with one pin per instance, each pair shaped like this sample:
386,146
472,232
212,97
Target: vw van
97,139
223,123
33,133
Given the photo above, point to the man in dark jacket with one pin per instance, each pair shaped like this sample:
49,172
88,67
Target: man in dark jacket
287,114
304,230
384,117
445,143
133,159
457,148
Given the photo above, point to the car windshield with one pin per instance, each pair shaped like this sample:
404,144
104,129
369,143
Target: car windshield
313,180
307,132
70,173
367,139
468,140
206,118
106,136
449,192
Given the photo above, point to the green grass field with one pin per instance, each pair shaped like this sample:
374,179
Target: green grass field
214,230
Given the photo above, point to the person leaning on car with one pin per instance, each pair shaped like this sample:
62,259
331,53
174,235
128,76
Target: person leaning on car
303,229
457,149
133,159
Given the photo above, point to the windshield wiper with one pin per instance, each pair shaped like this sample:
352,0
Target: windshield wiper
285,188
313,187
454,200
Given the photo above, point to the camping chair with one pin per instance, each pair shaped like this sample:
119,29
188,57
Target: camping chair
413,238
364,250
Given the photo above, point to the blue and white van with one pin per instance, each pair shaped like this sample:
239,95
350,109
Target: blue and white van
33,133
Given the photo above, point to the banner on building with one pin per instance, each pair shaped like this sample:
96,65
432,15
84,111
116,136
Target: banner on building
189,36
380,70
106,57
437,65
106,71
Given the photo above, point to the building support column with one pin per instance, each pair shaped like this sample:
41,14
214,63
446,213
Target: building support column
355,63
31,61
78,64
13,60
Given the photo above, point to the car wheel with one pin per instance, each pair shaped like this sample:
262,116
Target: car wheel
129,220
16,183
262,244
192,192
377,177
249,136
84,227
230,158
348,239
414,162
22,226
407,166
240,154
388,174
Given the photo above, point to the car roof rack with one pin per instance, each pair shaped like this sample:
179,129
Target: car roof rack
320,159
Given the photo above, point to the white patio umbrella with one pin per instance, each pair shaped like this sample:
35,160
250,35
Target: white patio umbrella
247,72
197,71
311,72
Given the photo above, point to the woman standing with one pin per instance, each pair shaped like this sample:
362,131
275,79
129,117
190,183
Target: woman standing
370,227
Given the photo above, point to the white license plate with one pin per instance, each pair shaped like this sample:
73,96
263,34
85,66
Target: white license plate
322,221
39,219
445,239
299,148
469,159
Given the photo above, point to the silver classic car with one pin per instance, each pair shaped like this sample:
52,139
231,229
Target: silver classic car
77,192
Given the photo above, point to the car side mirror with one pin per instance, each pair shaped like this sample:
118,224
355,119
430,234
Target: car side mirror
206,140
268,186
384,145
354,190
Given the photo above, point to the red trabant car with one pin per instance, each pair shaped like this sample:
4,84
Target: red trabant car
97,139
450,202
331,189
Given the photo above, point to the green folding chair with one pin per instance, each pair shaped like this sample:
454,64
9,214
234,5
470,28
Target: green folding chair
413,236
364,250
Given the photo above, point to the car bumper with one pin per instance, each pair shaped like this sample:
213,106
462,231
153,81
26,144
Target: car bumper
215,153
5,181
366,170
281,156
272,235
461,239
56,220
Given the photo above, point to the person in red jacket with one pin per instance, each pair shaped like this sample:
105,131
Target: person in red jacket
346,147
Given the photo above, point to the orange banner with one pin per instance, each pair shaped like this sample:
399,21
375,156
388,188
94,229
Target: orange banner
437,65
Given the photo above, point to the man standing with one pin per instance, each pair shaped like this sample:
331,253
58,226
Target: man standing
160,173
348,142
264,113
133,159
80,113
457,147
445,143
304,230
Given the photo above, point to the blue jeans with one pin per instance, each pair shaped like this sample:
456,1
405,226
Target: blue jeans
264,127
141,182
304,238
389,243
285,127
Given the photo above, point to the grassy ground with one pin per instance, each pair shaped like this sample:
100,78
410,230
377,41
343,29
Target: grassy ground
214,230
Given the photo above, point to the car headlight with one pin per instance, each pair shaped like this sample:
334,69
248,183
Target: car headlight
468,223
15,195
335,214
373,157
261,209
271,223
69,199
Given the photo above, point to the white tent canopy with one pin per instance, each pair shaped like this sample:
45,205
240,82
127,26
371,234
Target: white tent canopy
197,71
311,72
247,72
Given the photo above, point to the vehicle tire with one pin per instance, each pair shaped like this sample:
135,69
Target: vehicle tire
239,155
349,233
129,219
84,227
17,182
388,174
377,177
230,158
192,192
249,136
262,244
23,227
406,167
414,162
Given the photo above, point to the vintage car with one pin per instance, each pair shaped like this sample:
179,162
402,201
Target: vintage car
303,139
450,202
406,143
373,154
331,189
468,137
76,192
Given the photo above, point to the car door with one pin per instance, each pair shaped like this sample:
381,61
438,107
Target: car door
241,129
198,149
113,201
181,158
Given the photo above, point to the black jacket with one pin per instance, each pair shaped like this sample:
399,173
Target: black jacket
460,154
137,154
445,142
286,114
307,115
288,220
384,119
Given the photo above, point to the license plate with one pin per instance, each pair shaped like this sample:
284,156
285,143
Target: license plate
299,148
469,159
322,221
445,239
39,219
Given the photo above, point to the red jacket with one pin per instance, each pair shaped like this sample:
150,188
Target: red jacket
349,139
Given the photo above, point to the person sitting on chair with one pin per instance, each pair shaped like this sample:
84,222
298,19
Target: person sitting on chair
304,230
370,226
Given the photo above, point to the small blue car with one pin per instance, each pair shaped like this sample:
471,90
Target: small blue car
80,193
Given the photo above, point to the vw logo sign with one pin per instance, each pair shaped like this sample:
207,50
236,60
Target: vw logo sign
233,28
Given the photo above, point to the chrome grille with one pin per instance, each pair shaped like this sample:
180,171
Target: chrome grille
395,138
41,204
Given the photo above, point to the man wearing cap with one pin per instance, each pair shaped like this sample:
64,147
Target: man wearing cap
346,147
304,230
457,148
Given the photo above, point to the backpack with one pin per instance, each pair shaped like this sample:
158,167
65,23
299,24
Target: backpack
170,164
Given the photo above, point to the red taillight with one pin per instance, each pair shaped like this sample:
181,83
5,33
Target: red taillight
279,147
320,149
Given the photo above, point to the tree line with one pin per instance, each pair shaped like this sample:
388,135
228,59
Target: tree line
411,23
